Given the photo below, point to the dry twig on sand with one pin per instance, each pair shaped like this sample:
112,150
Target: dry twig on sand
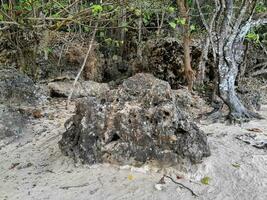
182,185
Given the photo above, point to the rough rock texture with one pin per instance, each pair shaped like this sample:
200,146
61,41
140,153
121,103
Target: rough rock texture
16,91
164,59
83,89
138,122
12,122
191,103
17,88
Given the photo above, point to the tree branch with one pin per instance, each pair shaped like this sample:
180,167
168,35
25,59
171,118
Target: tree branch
83,65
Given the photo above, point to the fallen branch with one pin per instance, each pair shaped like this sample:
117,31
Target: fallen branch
182,185
83,65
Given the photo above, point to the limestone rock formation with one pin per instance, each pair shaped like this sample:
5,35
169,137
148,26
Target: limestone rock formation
82,89
164,59
17,88
138,122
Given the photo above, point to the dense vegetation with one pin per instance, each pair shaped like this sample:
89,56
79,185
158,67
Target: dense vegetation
226,29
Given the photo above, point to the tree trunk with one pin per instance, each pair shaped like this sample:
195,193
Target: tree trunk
233,29
202,63
227,77
188,71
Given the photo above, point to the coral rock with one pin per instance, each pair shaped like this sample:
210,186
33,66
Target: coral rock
138,122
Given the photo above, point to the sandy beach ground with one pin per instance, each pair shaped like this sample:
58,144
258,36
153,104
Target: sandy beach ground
32,167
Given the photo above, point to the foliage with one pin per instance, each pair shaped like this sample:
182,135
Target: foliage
96,9
261,7
253,37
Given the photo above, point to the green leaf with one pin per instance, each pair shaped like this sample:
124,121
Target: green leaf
5,6
146,18
108,41
173,24
205,180
137,12
192,28
253,37
1,17
96,9
181,21
171,9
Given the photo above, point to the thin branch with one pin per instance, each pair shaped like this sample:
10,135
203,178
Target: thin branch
263,48
7,16
182,185
250,24
83,65
259,72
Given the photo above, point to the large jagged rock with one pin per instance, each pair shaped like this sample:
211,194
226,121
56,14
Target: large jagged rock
16,91
17,88
138,122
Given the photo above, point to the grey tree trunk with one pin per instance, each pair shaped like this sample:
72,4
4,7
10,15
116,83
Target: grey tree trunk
227,35
227,77
233,54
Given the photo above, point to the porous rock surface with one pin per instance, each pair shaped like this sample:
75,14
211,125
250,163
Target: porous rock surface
17,88
164,59
138,122
81,89
12,122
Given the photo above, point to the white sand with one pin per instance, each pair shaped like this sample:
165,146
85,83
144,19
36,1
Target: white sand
44,173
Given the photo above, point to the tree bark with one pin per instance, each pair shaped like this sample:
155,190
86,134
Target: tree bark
228,94
208,42
231,52
188,71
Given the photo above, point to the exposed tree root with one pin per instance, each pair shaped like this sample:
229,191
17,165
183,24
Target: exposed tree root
233,117
215,115
241,117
